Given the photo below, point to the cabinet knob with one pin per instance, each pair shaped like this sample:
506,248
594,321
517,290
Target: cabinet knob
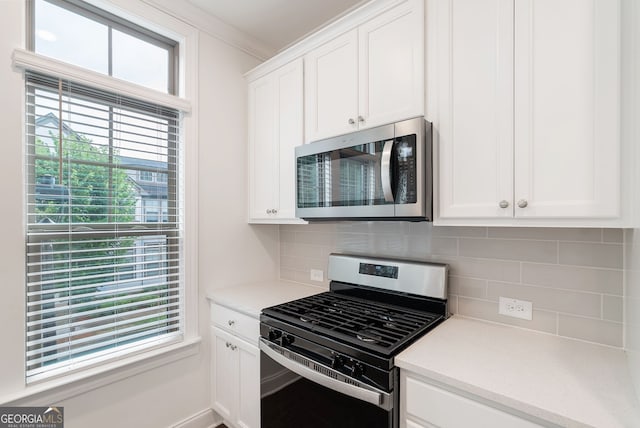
360,119
522,203
504,204
233,347
269,211
231,322
274,211
228,344
351,121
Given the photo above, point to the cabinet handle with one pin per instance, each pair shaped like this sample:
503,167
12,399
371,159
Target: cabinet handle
351,121
231,322
504,204
522,203
360,119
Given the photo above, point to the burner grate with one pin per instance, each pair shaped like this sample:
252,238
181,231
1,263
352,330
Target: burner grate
364,323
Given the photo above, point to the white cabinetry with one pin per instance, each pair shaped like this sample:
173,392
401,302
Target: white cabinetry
235,367
275,128
423,404
526,106
368,76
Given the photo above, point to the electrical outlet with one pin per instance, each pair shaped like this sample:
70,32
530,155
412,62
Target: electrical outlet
317,275
515,308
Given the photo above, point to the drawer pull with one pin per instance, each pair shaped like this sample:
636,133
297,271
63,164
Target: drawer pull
231,322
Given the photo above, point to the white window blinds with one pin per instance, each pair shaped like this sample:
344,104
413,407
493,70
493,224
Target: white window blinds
104,225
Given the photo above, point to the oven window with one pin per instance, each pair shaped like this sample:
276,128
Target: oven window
288,400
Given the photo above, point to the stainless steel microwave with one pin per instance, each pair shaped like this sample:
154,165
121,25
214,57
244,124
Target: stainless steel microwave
382,173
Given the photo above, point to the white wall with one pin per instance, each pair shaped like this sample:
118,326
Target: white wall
230,251
632,303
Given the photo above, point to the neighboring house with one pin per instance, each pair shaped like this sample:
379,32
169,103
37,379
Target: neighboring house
151,188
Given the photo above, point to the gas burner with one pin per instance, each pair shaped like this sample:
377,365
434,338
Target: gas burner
309,319
388,318
369,335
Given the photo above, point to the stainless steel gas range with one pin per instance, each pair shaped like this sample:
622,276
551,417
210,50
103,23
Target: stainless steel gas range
328,360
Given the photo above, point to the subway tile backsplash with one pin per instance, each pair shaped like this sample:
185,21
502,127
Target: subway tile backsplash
573,277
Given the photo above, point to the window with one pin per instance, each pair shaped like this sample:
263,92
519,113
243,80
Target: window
77,33
104,242
146,176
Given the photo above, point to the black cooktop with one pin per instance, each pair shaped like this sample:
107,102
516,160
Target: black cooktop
374,326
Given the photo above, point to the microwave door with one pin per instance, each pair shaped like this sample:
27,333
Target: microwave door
343,182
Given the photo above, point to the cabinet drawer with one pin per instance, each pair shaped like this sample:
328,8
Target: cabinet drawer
443,408
235,322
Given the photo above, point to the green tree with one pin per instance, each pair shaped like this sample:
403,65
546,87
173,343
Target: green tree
98,192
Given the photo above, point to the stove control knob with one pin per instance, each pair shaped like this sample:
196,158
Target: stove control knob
274,335
287,340
337,362
358,370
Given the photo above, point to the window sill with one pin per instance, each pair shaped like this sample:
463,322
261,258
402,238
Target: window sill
56,390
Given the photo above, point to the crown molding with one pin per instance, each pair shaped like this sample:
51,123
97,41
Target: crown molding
213,26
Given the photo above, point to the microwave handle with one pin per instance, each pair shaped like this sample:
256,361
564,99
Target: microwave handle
385,171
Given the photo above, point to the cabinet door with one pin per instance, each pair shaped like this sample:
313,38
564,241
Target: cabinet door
275,128
248,384
391,65
331,88
442,408
263,160
567,108
473,120
224,372
289,105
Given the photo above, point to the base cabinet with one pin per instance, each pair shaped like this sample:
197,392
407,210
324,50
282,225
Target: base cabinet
425,405
235,379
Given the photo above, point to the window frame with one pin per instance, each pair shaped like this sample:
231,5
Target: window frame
112,21
189,286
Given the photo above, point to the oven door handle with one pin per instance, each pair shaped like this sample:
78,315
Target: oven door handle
373,396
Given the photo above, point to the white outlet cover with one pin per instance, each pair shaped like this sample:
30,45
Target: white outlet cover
515,308
317,275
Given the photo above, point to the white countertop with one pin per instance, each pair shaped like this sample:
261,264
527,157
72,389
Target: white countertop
564,381
252,298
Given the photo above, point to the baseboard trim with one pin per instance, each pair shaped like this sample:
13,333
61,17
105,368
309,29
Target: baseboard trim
206,418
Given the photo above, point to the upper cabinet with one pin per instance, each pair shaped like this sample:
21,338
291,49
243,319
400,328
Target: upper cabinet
331,88
275,128
365,69
526,103
368,76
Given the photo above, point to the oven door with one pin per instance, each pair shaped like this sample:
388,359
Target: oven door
296,392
